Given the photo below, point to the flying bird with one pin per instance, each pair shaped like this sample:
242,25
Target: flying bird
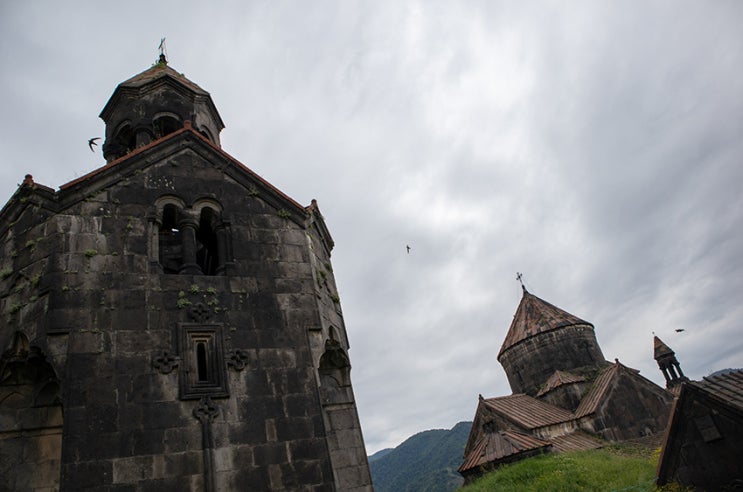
679,330
408,247
91,143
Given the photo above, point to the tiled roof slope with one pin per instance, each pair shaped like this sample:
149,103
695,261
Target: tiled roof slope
494,446
590,402
726,388
558,379
535,316
527,412
595,395
157,71
576,441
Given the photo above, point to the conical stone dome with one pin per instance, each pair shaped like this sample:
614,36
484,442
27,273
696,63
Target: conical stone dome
543,339
535,316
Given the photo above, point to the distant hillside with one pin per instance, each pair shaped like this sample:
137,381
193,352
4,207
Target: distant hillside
380,454
425,462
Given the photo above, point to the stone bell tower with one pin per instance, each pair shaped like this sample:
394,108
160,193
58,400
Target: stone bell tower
171,320
668,364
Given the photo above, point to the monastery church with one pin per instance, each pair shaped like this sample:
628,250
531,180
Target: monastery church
566,396
170,321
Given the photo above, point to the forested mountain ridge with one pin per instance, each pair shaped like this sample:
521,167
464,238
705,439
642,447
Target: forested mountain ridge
427,461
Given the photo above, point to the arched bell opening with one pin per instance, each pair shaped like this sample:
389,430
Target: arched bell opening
124,141
207,256
170,241
165,124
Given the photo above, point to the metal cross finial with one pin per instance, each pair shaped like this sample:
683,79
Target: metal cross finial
163,51
519,277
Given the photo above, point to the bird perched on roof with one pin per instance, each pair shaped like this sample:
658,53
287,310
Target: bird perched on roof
91,143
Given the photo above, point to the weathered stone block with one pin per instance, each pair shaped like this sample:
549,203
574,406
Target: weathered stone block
132,470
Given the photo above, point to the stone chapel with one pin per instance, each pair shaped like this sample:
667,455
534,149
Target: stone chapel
566,396
170,321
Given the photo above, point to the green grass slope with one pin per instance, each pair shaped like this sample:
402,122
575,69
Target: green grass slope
425,462
612,469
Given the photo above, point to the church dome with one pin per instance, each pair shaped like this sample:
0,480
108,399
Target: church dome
543,339
535,316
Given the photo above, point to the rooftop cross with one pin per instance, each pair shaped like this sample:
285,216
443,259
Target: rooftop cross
519,276
163,52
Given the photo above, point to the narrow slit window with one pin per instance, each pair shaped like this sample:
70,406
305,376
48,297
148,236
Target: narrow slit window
201,363
204,368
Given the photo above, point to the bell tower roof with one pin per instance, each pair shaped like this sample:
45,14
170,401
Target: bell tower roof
660,349
668,364
159,70
152,104
535,316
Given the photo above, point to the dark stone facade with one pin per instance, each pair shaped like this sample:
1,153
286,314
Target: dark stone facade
171,319
701,446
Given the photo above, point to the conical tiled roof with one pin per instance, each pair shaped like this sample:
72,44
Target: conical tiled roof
660,349
535,316
152,75
157,71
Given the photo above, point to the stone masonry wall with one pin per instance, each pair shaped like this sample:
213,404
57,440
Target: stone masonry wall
529,363
116,330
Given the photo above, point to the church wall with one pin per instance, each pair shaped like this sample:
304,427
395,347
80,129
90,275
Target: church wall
345,439
702,444
567,396
113,316
529,363
632,408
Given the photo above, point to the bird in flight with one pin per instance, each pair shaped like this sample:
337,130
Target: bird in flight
92,142
679,330
408,248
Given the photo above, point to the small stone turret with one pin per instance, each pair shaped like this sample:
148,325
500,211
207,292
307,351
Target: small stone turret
668,364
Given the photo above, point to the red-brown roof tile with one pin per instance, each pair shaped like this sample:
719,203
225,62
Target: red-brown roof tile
534,316
596,394
726,388
527,412
187,128
495,446
157,71
576,441
660,349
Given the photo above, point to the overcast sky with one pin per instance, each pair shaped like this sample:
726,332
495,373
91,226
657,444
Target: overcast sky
597,147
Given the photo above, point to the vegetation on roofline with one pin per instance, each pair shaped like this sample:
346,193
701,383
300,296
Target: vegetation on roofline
617,468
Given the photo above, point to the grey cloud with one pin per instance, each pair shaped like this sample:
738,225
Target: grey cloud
595,148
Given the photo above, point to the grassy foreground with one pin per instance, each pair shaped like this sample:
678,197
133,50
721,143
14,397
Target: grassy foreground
611,469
